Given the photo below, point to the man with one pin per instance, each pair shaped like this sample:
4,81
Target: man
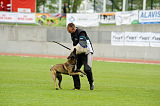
84,54
65,9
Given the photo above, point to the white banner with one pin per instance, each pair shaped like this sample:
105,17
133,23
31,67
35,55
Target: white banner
135,39
7,17
26,18
17,17
127,17
24,10
84,20
155,40
117,38
149,16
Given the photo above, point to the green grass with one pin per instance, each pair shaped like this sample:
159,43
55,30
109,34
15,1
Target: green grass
26,81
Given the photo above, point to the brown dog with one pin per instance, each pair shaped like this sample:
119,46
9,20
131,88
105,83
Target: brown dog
66,68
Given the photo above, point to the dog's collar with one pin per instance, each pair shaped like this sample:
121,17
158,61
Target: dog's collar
71,64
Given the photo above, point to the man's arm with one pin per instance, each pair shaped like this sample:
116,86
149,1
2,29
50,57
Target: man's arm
81,47
83,40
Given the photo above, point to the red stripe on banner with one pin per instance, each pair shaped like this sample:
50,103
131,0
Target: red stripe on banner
28,4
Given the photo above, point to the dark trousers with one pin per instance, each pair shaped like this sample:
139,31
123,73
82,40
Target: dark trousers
83,60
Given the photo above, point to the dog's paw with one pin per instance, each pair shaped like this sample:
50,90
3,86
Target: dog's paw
57,88
82,75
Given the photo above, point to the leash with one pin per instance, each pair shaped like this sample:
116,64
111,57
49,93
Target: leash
61,45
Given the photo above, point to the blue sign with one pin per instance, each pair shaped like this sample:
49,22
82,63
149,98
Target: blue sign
149,17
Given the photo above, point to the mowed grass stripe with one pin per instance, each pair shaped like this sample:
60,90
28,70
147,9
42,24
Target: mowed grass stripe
27,81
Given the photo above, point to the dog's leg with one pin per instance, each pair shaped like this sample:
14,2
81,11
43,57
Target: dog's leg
54,79
75,73
59,77
78,70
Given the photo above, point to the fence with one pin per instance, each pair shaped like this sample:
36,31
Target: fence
34,40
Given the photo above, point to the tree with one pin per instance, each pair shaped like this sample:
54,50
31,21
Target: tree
115,4
52,6
73,5
43,3
40,3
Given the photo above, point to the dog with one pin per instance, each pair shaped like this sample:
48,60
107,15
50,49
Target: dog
66,68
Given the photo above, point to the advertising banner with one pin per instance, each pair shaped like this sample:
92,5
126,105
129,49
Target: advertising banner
149,16
127,17
23,4
107,18
55,19
7,17
17,17
26,18
84,20
155,40
117,38
135,39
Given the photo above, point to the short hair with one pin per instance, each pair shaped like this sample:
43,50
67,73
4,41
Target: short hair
71,25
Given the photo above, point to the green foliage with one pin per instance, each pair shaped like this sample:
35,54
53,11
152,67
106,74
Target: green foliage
133,5
72,5
26,81
75,6
43,3
40,3
51,7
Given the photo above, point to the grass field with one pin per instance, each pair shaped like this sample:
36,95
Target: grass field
26,81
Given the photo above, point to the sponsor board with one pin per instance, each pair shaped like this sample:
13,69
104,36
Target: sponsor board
47,19
135,39
107,18
17,17
149,17
84,20
127,17
29,5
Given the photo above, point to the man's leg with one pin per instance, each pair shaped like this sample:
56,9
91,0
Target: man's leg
88,69
76,79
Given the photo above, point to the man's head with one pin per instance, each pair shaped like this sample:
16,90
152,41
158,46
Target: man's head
71,28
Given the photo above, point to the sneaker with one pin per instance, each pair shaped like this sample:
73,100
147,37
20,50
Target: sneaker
92,86
75,89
